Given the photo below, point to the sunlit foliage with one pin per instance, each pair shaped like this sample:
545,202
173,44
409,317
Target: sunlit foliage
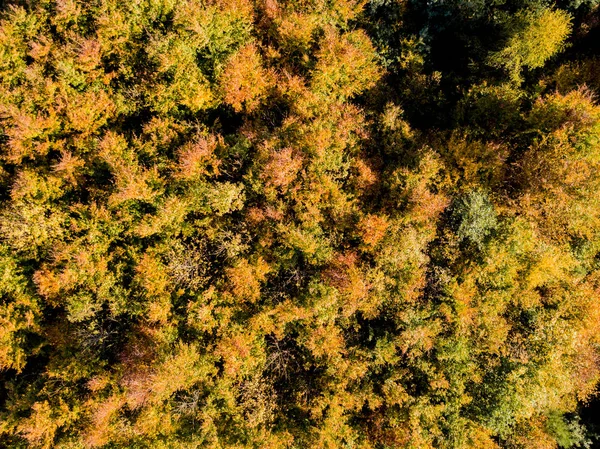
236,224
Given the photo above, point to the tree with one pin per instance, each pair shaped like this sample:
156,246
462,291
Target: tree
536,36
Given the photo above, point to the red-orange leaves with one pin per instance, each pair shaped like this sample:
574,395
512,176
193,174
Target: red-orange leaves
45,422
27,133
245,83
365,177
346,275
282,168
372,229
90,53
69,166
198,159
236,351
104,420
46,282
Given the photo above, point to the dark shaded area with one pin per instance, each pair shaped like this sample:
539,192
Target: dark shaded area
590,418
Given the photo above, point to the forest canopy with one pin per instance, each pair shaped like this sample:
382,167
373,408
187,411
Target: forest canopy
325,224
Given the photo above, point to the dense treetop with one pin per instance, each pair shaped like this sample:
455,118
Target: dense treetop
235,224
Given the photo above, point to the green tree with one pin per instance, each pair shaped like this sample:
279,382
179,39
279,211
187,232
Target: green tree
536,36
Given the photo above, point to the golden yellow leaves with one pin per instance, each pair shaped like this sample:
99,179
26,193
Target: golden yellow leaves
539,35
88,112
32,224
297,22
560,169
46,420
215,22
203,315
325,341
245,83
153,278
533,434
297,30
133,182
136,170
481,438
170,214
245,279
187,85
309,240
16,317
470,163
570,76
186,367
346,65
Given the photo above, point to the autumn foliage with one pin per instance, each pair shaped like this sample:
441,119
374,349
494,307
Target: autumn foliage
236,224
